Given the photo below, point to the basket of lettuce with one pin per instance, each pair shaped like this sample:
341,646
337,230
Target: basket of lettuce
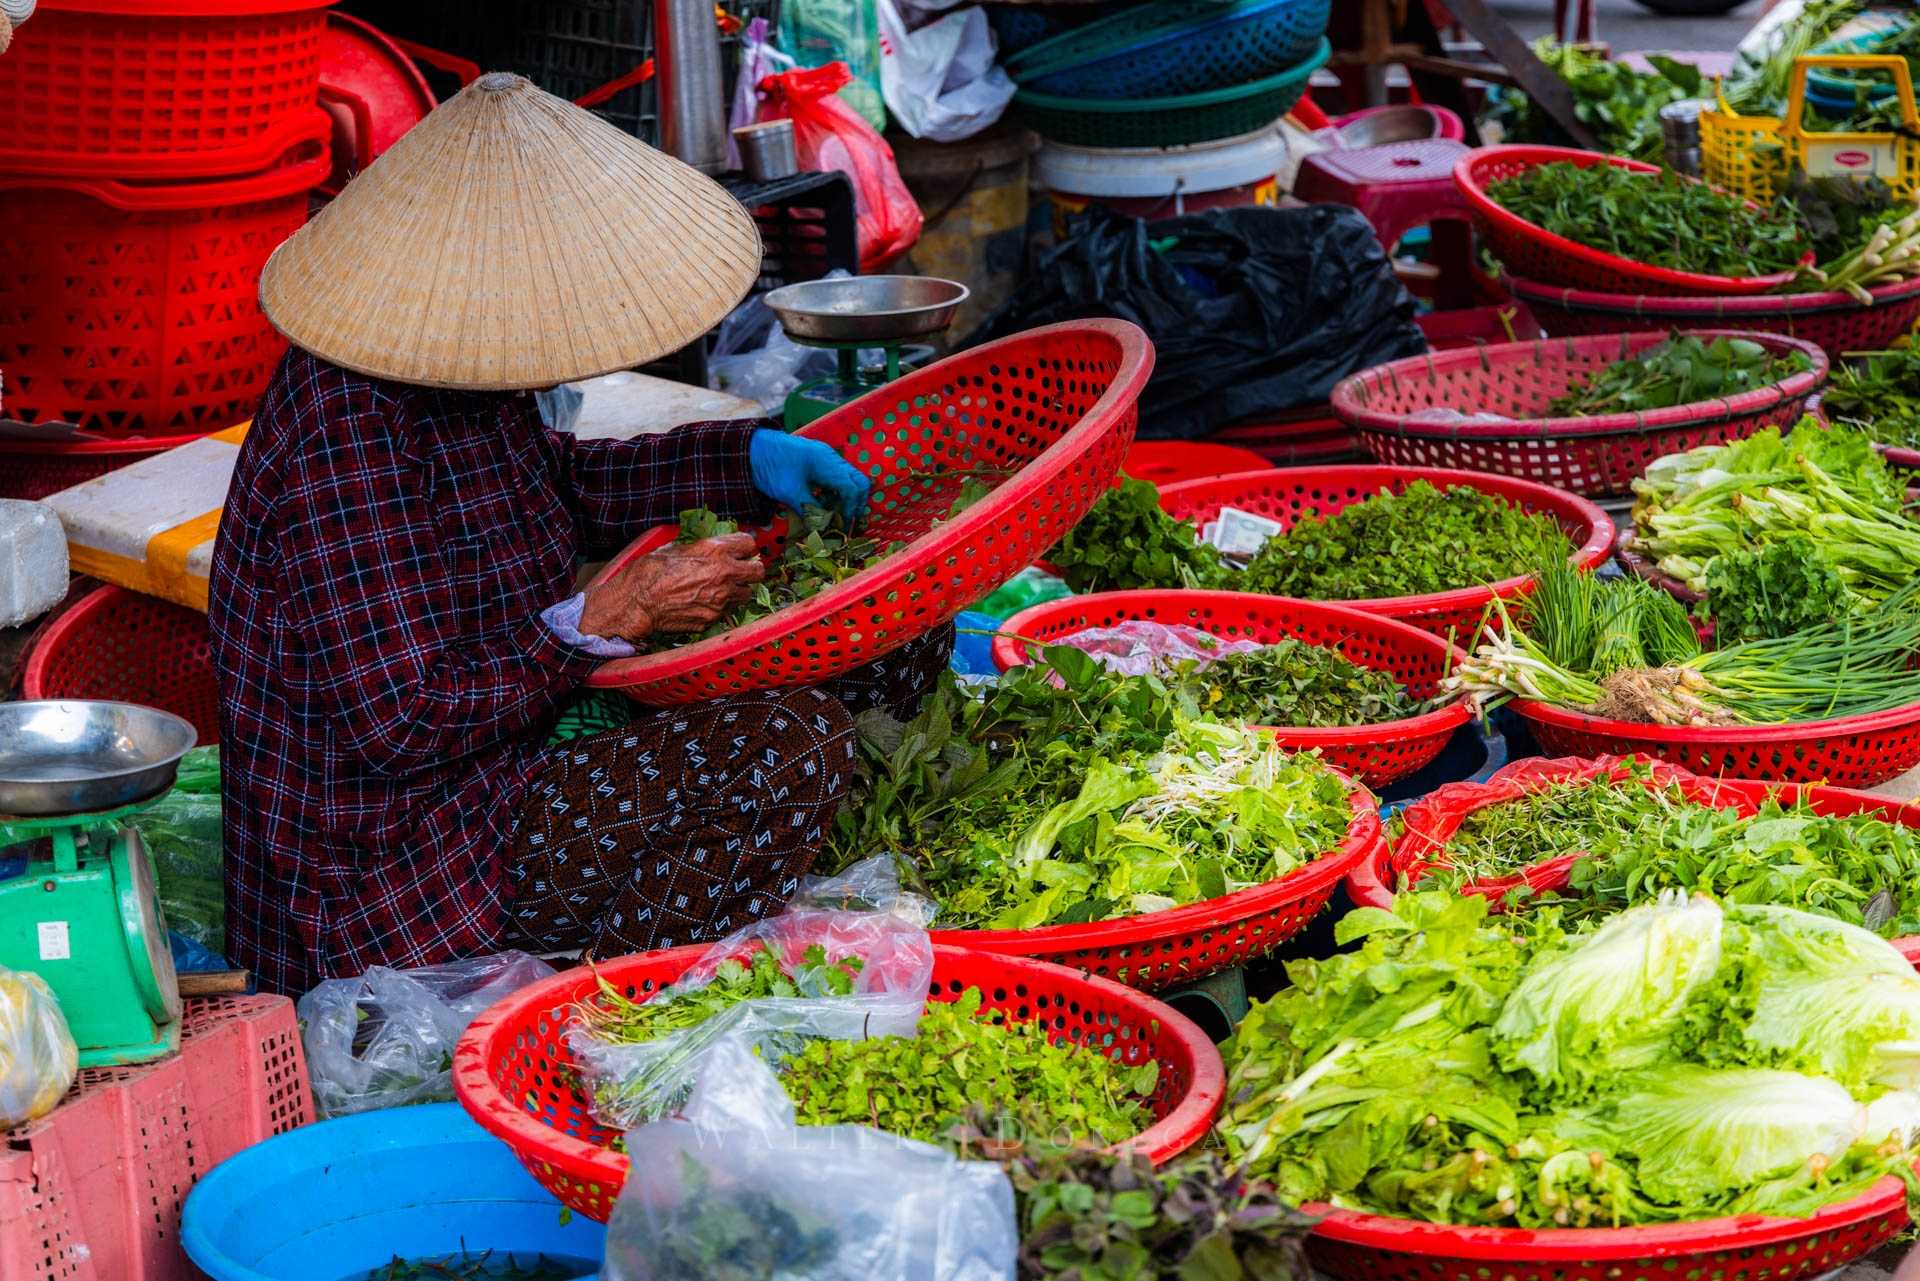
1671,1091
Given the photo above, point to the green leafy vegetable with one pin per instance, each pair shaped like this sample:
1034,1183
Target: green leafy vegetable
1126,541
1288,683
924,1086
1774,591
1662,220
483,1265
613,1016
1422,540
1620,104
1679,371
1878,393
733,1232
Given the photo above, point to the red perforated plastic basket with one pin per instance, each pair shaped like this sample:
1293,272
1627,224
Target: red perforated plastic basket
1536,253
36,468
1598,455
124,647
514,1071
1157,950
1833,321
132,307
133,89
1284,494
1055,406
1375,754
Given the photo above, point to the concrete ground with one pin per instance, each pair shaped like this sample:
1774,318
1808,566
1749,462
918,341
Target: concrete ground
1629,27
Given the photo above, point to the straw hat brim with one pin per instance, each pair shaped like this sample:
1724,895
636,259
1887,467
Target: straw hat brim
512,240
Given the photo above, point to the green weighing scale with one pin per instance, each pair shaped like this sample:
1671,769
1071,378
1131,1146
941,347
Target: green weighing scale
84,911
860,314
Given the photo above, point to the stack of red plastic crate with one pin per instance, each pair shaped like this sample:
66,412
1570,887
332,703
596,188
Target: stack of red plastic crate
151,157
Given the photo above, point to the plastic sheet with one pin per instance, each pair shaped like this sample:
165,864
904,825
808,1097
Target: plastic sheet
386,1039
1137,647
940,79
860,913
38,1059
734,1188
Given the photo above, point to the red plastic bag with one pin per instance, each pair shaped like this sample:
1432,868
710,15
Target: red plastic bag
829,134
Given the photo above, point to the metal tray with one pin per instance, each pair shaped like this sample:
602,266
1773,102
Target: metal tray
866,308
76,756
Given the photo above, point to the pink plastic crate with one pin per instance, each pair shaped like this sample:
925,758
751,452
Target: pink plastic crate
93,1191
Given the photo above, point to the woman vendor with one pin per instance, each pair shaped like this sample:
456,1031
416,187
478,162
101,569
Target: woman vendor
395,623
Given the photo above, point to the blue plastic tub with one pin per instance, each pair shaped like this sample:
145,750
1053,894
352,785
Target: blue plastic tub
333,1201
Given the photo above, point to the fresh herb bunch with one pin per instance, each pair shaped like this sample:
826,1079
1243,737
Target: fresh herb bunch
1775,591
1672,1062
1065,794
1626,650
728,1233
1621,105
1679,371
1662,220
1126,541
1827,485
924,1086
1287,683
485,1265
1572,817
614,1017
1406,544
1878,393
1099,1216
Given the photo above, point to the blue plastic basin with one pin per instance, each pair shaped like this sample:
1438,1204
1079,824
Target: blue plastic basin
337,1199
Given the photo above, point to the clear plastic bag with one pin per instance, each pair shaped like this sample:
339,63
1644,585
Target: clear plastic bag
386,1039
828,134
38,1059
860,913
734,1189
940,79
1136,648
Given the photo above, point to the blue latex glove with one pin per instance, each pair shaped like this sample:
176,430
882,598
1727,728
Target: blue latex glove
788,469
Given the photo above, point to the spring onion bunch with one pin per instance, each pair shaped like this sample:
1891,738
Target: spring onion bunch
1625,650
1891,253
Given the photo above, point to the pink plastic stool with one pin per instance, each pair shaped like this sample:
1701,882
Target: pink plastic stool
1397,187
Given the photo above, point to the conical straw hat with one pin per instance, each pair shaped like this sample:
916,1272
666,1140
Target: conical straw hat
511,240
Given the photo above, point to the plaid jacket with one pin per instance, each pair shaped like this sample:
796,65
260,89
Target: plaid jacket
385,681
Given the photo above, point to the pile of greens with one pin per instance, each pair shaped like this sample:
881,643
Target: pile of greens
1676,1061
1288,683
1095,1216
922,1086
1064,794
1680,371
1828,486
1774,591
612,1016
1637,840
1125,541
1408,544
1878,393
1663,220
1626,650
484,1265
1619,104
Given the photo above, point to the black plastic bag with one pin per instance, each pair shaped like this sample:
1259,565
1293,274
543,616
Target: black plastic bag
1252,311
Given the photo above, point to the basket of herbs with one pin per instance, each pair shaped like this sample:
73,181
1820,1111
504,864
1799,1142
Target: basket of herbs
1684,1088
1097,820
1591,837
1586,414
1428,546
1560,216
1064,1051
1361,690
1878,392
1598,666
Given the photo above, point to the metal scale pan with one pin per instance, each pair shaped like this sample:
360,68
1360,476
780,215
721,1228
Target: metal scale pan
866,310
75,756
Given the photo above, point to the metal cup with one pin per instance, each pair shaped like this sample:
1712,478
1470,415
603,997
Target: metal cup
767,151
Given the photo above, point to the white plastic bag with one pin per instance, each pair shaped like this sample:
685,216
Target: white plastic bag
38,1058
758,60
386,1039
1137,647
734,1188
861,913
941,82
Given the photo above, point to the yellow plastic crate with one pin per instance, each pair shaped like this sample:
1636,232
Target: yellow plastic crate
1751,156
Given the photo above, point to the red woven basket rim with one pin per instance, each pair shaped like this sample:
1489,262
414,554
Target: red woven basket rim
1899,456
1799,732
1641,567
90,445
1720,307
304,160
1466,176
956,535
1347,394
1365,836
1593,549
1009,652
531,1139
60,633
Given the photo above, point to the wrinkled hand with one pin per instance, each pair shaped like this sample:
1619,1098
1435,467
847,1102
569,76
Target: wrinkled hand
788,469
681,588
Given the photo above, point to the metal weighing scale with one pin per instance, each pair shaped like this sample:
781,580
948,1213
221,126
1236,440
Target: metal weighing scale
856,314
84,914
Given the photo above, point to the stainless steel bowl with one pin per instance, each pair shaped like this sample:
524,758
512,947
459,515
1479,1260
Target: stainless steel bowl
866,308
1396,124
76,756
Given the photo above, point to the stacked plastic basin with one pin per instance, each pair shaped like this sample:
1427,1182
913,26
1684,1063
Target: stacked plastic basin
1171,73
152,154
